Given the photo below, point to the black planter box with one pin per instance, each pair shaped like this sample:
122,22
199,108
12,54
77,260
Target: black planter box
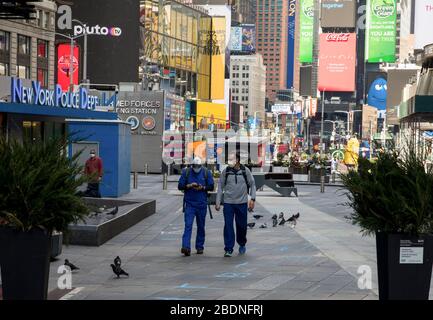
25,264
403,280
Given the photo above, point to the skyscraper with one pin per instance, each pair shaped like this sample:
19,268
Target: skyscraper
271,24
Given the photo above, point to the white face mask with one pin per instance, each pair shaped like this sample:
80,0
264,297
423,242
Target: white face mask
92,155
231,163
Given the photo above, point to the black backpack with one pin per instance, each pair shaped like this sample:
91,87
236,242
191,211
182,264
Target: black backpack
244,174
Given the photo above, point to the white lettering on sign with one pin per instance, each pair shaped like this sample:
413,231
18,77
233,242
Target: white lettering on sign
338,37
410,255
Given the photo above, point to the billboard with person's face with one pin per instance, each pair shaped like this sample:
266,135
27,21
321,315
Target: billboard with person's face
337,60
248,38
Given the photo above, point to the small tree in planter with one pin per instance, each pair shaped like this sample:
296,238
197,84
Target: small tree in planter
37,196
393,199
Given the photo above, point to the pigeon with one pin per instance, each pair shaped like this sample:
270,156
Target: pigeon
117,261
293,219
114,211
282,222
257,216
281,215
251,225
70,265
263,226
274,220
118,271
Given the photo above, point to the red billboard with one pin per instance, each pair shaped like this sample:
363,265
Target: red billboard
337,59
63,65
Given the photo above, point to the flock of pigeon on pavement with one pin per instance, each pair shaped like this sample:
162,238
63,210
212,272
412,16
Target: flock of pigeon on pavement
276,221
117,269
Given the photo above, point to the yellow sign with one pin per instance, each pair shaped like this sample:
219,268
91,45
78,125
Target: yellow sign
218,40
210,115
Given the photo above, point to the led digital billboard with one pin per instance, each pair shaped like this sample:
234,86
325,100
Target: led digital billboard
306,21
380,34
338,14
248,38
337,60
291,43
423,18
236,39
63,65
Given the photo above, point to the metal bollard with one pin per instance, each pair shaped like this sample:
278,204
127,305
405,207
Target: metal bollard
136,180
169,169
164,181
322,184
333,177
309,176
146,169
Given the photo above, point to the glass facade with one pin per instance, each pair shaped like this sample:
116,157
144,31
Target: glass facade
174,39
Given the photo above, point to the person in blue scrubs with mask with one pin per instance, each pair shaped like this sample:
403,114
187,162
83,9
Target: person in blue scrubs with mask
196,182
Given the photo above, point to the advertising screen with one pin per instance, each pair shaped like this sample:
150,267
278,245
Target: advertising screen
338,14
337,60
291,43
248,38
423,18
306,21
377,89
210,115
63,65
380,34
218,44
236,39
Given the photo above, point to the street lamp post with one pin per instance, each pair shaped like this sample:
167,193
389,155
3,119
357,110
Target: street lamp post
84,50
71,57
321,122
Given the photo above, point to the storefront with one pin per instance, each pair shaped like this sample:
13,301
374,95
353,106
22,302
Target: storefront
36,114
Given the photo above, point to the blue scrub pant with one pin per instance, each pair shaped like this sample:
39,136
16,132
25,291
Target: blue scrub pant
238,212
199,213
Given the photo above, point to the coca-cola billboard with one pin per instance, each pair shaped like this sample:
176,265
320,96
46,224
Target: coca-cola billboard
337,61
342,37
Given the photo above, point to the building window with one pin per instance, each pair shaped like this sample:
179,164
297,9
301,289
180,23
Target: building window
23,72
23,45
42,60
43,77
4,41
4,53
42,49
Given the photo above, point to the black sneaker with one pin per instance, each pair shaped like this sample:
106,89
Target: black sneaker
185,251
228,254
200,251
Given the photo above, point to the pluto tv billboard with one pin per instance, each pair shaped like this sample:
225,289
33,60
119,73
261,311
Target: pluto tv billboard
113,37
338,14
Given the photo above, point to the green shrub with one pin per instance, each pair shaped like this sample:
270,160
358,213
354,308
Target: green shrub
38,185
393,194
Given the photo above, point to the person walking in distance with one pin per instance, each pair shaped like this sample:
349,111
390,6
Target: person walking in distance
236,183
94,171
196,182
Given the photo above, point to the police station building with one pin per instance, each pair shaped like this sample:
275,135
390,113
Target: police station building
31,112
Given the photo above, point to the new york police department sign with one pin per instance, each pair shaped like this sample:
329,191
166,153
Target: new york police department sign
37,95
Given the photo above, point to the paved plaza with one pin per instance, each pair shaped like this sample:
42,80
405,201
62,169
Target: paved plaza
319,259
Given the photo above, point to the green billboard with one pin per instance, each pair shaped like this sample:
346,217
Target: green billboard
381,31
306,25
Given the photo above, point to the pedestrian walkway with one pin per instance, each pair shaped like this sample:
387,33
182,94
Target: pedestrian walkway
281,263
